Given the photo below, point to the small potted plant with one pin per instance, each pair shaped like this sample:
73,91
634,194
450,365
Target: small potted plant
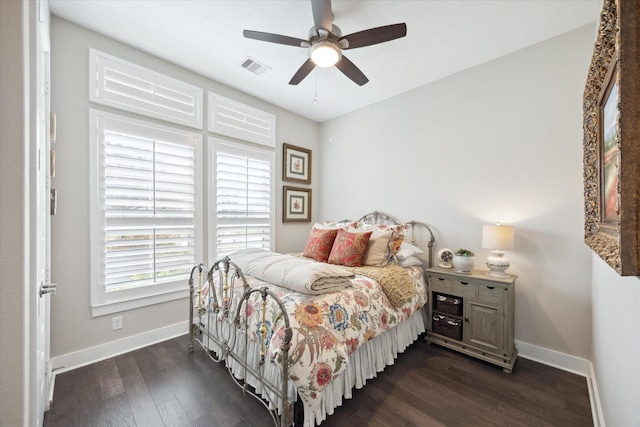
463,261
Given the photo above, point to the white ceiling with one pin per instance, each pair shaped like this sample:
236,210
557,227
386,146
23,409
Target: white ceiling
443,38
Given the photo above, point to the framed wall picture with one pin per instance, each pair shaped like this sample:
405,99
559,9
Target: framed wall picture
609,151
296,164
611,140
296,204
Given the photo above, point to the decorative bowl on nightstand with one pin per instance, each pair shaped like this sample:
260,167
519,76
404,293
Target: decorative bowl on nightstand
463,261
463,264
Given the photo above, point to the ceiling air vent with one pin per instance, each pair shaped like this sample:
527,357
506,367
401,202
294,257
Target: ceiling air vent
254,66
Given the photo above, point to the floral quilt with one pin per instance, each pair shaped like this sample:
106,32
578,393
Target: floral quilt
326,328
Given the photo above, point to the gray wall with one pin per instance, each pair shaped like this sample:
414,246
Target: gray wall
73,328
14,211
499,142
616,343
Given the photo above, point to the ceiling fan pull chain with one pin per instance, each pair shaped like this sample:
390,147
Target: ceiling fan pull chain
315,96
331,138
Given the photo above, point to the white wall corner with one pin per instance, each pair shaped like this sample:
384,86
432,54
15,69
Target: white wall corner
566,362
594,398
87,356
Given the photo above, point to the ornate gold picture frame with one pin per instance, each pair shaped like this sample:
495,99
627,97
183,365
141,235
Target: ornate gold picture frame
611,140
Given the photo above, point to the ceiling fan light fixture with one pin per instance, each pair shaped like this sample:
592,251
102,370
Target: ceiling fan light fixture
325,54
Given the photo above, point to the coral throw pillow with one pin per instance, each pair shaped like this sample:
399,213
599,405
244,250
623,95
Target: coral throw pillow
349,248
320,243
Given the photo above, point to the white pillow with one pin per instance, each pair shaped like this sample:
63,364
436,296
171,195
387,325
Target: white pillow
408,250
409,261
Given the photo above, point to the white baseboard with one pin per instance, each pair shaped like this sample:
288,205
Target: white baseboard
566,362
87,356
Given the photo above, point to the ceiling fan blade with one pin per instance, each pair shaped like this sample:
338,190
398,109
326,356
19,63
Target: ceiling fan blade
322,15
274,38
302,72
375,35
350,70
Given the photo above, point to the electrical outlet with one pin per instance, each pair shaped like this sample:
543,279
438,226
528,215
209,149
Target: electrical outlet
116,323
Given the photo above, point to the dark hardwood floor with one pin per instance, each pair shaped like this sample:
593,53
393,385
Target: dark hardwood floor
164,385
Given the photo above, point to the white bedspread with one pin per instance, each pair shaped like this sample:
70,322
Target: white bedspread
291,272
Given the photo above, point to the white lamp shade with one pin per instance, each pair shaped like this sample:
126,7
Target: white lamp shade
497,237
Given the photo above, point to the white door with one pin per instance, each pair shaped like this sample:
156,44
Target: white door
43,288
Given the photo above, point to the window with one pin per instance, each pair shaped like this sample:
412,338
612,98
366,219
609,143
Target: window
147,183
243,187
145,211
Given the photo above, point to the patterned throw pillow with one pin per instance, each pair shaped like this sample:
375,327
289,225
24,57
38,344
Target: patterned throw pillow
349,248
339,224
320,243
398,236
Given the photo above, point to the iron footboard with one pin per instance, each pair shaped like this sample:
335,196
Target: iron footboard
218,323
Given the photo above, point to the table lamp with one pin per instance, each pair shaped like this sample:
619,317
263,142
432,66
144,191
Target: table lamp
497,237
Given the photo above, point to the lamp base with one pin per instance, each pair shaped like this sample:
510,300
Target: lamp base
497,264
496,274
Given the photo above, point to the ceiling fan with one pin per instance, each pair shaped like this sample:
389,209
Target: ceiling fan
326,43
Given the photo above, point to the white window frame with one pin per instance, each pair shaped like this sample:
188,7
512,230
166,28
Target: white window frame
103,302
212,219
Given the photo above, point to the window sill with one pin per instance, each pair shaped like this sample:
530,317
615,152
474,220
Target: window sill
117,306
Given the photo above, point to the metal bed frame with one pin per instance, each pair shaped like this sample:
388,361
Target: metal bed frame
219,329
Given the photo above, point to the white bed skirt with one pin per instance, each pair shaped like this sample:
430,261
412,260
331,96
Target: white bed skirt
364,364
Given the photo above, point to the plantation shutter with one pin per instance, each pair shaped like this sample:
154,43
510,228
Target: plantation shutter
149,203
127,86
238,120
243,195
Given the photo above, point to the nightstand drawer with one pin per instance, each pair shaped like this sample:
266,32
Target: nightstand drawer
492,294
464,288
439,284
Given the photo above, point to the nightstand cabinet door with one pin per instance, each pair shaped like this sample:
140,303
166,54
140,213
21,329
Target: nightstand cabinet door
484,326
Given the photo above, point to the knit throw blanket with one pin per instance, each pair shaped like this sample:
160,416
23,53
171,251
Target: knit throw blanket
396,283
